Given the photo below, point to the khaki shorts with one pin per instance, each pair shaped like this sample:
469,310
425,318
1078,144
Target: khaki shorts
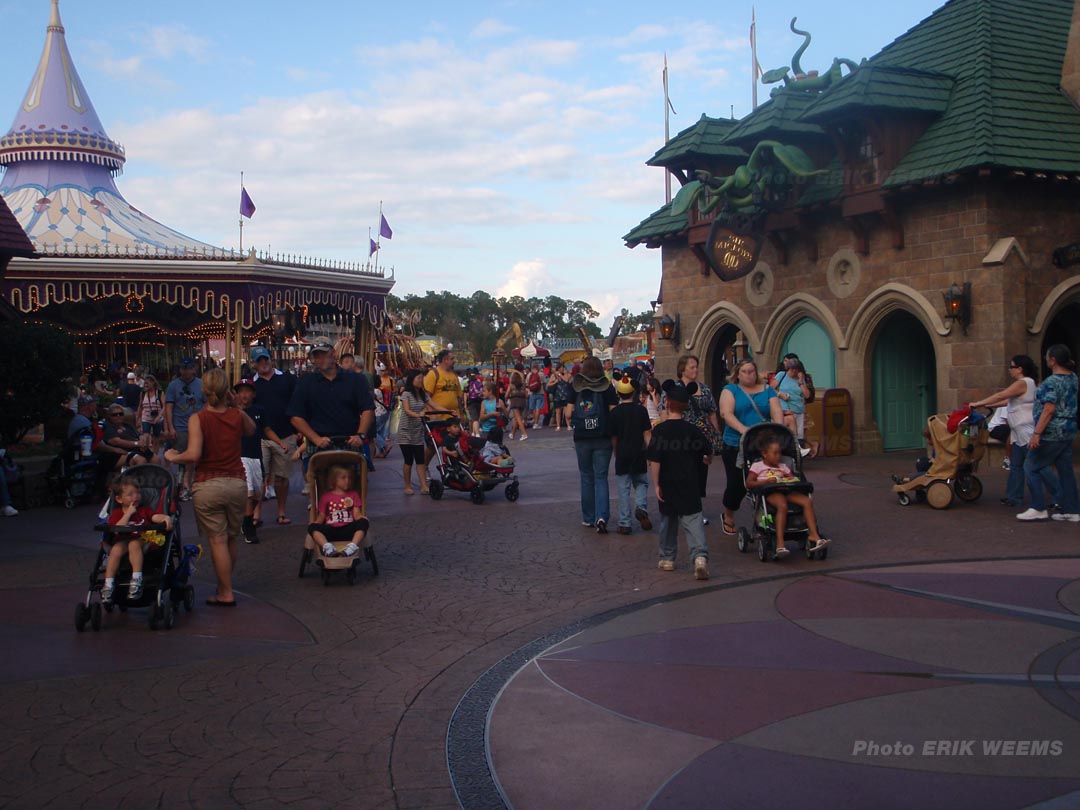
278,463
219,506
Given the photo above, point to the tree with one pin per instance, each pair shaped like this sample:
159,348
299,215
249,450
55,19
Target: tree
33,365
637,323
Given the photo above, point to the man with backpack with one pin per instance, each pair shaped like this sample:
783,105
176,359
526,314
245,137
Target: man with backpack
534,384
594,397
474,395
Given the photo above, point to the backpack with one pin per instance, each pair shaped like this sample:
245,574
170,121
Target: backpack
810,385
476,388
533,382
589,419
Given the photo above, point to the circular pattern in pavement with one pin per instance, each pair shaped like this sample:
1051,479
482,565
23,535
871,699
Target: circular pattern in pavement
952,684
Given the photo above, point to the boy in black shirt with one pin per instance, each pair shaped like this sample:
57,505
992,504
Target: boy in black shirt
675,454
630,434
251,455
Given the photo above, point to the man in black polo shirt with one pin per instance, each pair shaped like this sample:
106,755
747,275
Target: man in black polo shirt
273,391
330,402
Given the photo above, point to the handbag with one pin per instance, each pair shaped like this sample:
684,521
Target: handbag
395,418
11,470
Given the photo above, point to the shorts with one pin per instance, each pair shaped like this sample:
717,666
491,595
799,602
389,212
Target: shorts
253,471
559,404
412,453
153,428
179,444
277,463
219,506
474,409
339,534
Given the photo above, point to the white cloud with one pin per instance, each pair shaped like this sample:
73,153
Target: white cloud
491,28
527,279
167,41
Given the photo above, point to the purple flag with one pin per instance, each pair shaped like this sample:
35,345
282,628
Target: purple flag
247,207
384,229
372,248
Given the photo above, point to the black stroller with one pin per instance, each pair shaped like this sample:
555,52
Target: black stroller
166,567
74,475
763,531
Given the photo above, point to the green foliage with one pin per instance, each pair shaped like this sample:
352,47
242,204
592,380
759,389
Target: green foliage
477,321
33,365
637,323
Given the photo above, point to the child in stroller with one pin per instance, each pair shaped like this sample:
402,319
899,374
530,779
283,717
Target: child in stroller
341,516
459,460
129,511
780,494
493,453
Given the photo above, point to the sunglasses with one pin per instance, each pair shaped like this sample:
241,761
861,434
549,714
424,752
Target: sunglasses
116,413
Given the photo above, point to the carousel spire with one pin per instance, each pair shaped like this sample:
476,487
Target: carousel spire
56,120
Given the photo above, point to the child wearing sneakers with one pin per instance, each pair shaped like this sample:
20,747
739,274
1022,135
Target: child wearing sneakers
341,516
493,452
129,512
676,453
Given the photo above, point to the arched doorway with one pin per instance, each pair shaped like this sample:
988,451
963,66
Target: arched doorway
811,342
904,383
1064,328
722,353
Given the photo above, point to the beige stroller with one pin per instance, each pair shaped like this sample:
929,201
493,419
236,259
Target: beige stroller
318,466
955,462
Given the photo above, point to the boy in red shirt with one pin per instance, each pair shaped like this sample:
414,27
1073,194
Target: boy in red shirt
130,512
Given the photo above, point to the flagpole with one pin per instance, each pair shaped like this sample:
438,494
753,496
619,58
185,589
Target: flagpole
378,239
753,57
241,215
667,132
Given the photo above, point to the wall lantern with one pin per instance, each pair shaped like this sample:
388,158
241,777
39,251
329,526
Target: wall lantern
669,328
958,304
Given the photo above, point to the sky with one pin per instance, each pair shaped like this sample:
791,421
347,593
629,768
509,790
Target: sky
506,141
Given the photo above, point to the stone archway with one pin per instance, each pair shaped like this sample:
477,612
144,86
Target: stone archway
710,338
1057,321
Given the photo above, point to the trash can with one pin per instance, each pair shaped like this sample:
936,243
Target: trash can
837,423
814,424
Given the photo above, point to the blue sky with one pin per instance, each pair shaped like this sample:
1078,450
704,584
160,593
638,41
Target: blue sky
507,140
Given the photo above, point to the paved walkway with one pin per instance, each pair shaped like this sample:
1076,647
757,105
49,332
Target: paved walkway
313,696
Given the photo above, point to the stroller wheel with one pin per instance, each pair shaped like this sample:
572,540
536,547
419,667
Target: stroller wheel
168,614
435,489
939,495
512,492
477,495
764,549
968,488
154,616
305,558
369,552
326,576
69,502
904,498
109,607
95,616
744,540
189,598
82,614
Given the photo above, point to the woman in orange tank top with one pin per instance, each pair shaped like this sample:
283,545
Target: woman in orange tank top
220,490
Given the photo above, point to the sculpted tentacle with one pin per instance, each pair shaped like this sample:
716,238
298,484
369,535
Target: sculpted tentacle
796,65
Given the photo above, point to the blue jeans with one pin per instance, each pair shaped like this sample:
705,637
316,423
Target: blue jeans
382,431
1037,471
639,484
693,525
536,404
593,460
1014,488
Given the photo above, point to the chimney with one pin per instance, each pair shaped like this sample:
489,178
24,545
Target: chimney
1070,69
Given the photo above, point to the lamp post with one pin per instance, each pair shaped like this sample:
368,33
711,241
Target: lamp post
958,304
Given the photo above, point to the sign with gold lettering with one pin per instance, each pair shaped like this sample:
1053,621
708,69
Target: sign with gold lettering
731,254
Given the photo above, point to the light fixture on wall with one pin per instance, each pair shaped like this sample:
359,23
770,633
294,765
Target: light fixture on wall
958,304
669,328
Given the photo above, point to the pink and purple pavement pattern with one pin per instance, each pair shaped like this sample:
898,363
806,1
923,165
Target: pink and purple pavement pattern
822,691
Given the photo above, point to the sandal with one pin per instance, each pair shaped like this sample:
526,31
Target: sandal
213,601
729,528
282,520
820,543
781,552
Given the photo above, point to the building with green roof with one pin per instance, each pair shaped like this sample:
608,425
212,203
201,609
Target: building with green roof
948,168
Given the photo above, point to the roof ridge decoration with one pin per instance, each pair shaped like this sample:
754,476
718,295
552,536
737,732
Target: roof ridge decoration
57,120
812,82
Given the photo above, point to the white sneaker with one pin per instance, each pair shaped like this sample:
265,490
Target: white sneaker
1067,516
271,493
306,490
1033,514
9,511
701,568
667,565
805,451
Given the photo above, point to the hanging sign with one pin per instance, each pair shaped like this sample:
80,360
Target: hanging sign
731,253
1067,256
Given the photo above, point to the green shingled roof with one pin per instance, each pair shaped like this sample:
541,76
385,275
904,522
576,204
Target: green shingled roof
778,119
655,227
882,87
697,144
1006,109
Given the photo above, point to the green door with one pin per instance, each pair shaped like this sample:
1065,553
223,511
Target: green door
810,341
905,393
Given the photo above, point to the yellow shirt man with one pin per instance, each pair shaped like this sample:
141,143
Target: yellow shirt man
444,388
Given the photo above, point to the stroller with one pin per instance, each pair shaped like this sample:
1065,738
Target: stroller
166,567
73,476
763,531
318,466
955,462
469,473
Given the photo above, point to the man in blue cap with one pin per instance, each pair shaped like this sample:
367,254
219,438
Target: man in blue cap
273,392
183,398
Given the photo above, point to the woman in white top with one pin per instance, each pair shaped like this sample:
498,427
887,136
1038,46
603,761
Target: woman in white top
1019,399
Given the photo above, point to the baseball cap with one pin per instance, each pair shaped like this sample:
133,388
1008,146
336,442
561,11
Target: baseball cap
187,361
86,399
321,345
249,383
624,386
131,375
259,352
